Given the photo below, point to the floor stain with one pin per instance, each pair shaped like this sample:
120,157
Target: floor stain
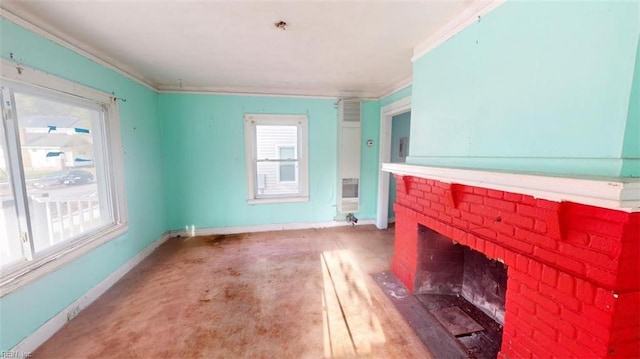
255,295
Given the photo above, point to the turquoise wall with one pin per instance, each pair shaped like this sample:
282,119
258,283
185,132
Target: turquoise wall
400,127
205,173
533,86
369,159
631,146
369,169
199,141
25,310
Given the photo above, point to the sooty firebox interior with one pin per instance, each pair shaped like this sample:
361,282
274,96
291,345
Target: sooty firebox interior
464,290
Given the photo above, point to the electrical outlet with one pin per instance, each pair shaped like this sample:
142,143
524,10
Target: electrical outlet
73,313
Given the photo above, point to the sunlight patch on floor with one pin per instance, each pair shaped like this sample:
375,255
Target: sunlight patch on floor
350,326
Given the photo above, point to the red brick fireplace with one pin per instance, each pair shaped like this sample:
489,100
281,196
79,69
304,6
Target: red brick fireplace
573,268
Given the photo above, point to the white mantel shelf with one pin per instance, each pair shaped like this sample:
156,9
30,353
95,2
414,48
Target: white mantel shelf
615,193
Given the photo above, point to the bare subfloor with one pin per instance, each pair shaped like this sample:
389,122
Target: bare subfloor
286,294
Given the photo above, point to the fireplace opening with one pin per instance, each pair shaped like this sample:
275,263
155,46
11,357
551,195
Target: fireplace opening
464,290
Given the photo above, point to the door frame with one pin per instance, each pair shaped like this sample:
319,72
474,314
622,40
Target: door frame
386,116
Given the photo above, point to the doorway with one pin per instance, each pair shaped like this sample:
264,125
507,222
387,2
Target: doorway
400,129
386,118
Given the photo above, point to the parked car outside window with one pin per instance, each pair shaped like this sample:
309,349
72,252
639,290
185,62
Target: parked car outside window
69,177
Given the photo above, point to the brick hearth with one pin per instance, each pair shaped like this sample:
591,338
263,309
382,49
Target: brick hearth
573,285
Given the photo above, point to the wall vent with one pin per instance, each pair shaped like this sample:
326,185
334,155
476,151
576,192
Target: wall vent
349,139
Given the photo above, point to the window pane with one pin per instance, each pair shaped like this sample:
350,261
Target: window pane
61,155
287,169
287,172
270,138
287,153
268,184
10,247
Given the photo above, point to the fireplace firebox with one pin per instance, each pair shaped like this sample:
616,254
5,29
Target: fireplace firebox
450,268
562,276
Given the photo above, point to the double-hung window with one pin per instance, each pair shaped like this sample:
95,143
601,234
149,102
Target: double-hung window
276,155
61,180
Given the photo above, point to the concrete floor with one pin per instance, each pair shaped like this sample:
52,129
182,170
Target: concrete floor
286,294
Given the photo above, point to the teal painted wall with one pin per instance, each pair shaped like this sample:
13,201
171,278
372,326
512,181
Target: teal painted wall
533,86
369,159
631,146
25,310
205,173
400,127
199,140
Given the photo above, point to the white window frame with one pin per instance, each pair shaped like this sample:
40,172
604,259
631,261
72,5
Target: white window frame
295,151
18,275
250,140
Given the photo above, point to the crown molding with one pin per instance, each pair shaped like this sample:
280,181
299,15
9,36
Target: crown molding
396,87
290,93
39,27
472,13
239,91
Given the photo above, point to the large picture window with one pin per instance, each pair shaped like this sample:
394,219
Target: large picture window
61,188
276,158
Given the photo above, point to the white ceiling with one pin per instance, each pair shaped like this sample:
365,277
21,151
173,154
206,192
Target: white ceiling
329,48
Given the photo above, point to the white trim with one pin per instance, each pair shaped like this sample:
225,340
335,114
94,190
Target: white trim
21,273
286,93
115,164
191,232
103,59
269,200
240,91
302,152
466,18
24,74
13,278
48,329
386,116
213,91
613,193
67,42
40,28
397,87
472,13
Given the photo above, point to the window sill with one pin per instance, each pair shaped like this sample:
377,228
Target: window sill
12,279
278,200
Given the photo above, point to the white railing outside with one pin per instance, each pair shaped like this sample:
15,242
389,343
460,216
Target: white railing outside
68,217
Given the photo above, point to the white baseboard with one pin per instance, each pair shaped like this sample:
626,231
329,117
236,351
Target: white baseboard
48,329
263,228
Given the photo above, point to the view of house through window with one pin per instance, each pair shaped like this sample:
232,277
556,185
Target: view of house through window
276,160
58,155
277,166
61,170
287,172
